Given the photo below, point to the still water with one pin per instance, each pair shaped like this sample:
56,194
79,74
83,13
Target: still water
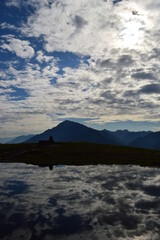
79,202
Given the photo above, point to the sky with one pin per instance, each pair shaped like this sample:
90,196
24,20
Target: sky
96,62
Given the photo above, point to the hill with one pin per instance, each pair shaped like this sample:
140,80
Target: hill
69,131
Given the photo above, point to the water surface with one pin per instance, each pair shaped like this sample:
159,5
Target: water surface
79,202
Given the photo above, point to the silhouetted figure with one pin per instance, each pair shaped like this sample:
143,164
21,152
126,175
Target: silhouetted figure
51,140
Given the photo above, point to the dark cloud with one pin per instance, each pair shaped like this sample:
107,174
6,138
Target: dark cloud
135,13
125,60
109,95
107,81
107,63
147,104
148,205
150,89
79,22
130,93
69,102
117,102
143,75
96,101
70,224
152,190
155,54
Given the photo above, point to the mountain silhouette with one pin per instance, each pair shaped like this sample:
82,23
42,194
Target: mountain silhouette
69,131
20,139
126,137
151,140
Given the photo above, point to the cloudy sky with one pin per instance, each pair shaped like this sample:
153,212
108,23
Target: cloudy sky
94,61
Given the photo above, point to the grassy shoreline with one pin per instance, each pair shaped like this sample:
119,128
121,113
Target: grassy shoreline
78,154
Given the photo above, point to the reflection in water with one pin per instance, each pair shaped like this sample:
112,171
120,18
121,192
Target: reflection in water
79,202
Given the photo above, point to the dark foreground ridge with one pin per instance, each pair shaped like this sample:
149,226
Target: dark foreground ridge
78,154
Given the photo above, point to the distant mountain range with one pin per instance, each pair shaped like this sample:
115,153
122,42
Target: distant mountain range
20,139
69,131
151,140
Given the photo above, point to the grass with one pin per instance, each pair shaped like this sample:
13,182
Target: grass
78,154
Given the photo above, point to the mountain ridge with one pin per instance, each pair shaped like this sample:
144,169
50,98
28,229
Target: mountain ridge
69,131
20,139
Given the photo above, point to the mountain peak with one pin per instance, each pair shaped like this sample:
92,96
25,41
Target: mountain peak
124,131
68,123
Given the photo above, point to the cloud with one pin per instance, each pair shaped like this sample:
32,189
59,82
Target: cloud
88,90
21,48
42,58
65,36
79,22
6,25
99,32
106,65
143,75
13,3
150,89
125,60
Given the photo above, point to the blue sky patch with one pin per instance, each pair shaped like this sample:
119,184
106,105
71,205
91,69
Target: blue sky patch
69,59
18,94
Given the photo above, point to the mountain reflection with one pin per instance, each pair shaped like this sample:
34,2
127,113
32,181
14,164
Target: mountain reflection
79,202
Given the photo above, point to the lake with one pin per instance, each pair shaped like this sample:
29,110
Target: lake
79,202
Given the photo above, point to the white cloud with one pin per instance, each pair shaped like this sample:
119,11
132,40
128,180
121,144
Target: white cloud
6,25
101,89
92,28
42,58
122,41
13,3
73,26
21,48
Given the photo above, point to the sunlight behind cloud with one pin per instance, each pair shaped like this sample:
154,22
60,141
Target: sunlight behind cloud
132,35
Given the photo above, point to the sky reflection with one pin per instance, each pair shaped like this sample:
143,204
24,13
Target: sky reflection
82,202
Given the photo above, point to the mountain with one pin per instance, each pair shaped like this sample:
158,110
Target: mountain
4,140
151,140
69,131
126,137
20,139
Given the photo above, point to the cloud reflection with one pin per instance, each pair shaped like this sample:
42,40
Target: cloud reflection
82,202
